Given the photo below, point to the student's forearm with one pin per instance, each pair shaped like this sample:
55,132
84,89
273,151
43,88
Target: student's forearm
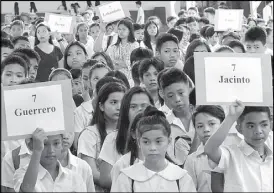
30,177
215,141
75,142
195,144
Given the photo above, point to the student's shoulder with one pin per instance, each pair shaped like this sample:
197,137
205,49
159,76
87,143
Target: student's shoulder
89,132
124,160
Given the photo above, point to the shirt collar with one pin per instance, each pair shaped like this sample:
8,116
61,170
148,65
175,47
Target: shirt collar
172,119
164,109
248,150
43,172
72,160
200,150
24,150
88,106
140,173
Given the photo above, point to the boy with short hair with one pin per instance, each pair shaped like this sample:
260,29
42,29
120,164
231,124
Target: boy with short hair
135,73
139,54
212,38
34,59
247,166
94,31
206,119
148,71
255,40
229,36
77,81
96,19
209,13
203,21
6,48
45,173
182,13
21,42
17,28
176,88
170,21
193,25
139,34
192,12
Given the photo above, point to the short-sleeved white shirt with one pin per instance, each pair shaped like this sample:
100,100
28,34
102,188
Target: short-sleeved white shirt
83,116
89,46
10,145
181,139
164,109
150,181
142,14
108,152
244,170
66,181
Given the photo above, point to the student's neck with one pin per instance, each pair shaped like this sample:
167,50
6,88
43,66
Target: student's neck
83,40
155,166
154,95
44,44
124,41
64,158
111,124
53,169
259,149
183,115
152,39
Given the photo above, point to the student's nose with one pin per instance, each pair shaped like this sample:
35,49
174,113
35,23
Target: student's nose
177,98
207,129
258,130
152,147
51,149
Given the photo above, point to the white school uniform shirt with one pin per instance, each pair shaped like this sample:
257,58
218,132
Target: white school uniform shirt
146,180
244,170
105,40
142,14
82,168
198,168
89,46
108,152
178,151
122,163
164,109
7,165
66,181
10,145
83,115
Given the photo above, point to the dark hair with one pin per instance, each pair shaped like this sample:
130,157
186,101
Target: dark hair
77,28
23,56
170,18
98,117
36,39
138,3
209,32
94,25
76,73
14,59
147,39
251,19
189,68
139,54
193,45
129,25
107,58
192,97
173,75
78,99
181,12
59,71
193,8
252,109
137,26
224,48
256,34
146,63
204,29
120,75
213,110
123,122
16,39
190,19
165,37
17,22
135,72
73,43
89,3
177,32
84,13
159,75
105,80
210,10
204,20
17,17
89,63
97,65
231,34
236,43
64,5
95,17
268,30
180,21
194,36
151,117
38,21
6,43
153,18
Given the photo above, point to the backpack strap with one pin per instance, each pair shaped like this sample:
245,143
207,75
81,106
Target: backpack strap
217,182
178,184
132,183
16,157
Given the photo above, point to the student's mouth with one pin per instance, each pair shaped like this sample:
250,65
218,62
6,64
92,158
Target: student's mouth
153,84
173,61
51,157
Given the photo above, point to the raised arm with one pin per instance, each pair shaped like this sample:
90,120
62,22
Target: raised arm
212,147
30,177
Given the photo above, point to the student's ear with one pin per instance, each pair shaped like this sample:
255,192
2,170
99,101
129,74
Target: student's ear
157,54
101,106
239,128
161,93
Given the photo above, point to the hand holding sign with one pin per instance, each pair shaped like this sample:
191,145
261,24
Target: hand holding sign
37,140
60,23
236,108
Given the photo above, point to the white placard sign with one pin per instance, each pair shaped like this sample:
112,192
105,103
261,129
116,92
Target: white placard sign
60,23
111,12
228,19
231,78
46,105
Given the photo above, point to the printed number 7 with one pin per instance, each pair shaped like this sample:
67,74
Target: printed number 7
234,65
34,96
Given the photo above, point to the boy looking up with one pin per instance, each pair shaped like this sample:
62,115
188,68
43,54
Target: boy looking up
255,40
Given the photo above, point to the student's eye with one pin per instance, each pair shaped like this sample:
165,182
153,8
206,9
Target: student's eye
96,78
265,125
199,126
133,107
212,124
113,102
181,93
158,141
170,96
79,53
145,142
250,126
166,51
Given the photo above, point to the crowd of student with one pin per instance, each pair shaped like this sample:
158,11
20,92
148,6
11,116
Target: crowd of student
137,126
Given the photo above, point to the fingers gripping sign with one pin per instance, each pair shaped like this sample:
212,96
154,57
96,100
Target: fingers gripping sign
38,138
236,108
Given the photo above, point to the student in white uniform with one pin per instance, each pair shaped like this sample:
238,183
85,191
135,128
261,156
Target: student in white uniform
176,89
155,174
104,121
134,102
207,119
83,37
45,173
